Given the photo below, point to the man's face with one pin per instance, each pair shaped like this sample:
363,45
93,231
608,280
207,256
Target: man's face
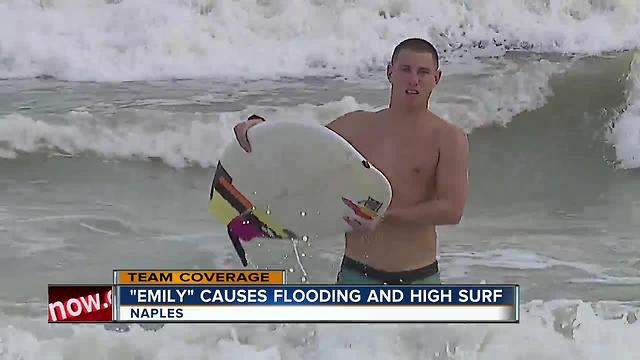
413,76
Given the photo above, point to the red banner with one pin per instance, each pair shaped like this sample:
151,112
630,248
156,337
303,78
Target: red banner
80,303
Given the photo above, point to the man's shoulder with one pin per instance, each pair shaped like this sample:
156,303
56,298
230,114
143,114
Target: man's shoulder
362,114
450,135
351,119
455,132
448,130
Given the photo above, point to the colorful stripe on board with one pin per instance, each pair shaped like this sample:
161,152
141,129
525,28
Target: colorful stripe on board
244,222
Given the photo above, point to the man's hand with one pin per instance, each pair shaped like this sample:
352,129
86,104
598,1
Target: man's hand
242,128
359,226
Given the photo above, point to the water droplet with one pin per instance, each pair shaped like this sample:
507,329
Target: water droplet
303,213
303,278
290,269
259,244
305,238
303,254
268,211
254,193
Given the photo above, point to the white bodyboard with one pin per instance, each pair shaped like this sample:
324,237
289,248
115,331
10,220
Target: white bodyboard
299,181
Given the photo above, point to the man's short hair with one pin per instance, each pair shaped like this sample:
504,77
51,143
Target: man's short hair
418,45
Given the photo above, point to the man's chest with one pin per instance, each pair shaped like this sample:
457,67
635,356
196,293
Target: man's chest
408,162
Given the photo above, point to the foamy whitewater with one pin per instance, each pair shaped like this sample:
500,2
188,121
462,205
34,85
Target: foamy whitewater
113,114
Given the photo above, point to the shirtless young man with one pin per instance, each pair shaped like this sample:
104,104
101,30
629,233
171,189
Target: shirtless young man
425,159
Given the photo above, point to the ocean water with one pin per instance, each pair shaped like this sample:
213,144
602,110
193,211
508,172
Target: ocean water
113,114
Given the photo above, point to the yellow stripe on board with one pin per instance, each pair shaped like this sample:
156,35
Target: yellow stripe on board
221,209
267,220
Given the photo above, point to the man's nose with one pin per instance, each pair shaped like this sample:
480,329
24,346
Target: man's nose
413,79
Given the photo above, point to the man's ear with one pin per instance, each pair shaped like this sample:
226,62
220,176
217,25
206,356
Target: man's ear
389,72
438,76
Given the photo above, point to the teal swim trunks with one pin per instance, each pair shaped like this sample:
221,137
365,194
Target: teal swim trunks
353,272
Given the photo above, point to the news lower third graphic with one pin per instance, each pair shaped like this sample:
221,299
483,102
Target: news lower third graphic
262,296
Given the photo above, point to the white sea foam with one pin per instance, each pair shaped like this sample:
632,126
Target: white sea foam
559,329
147,39
177,139
181,139
177,143
625,134
496,98
517,259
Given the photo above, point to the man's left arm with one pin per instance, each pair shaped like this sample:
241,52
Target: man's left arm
451,185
